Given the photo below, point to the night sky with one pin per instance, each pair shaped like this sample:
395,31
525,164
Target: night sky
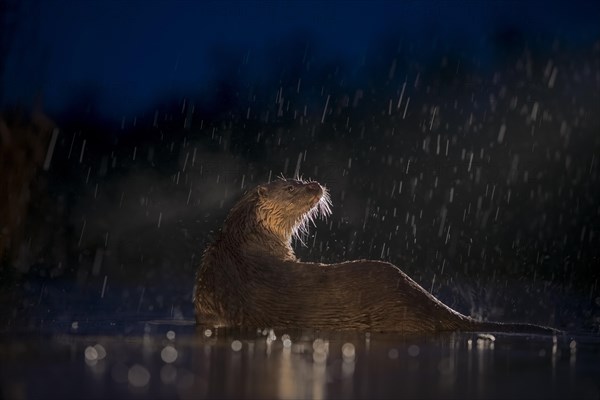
125,56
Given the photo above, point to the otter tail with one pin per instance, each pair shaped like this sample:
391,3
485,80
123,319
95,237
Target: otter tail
509,327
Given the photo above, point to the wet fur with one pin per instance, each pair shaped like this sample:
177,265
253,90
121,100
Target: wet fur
249,276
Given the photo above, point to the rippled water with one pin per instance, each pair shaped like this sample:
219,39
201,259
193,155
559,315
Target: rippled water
167,359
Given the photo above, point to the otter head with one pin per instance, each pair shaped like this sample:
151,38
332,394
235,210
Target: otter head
285,207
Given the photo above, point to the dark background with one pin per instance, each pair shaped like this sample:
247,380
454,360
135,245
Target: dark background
459,140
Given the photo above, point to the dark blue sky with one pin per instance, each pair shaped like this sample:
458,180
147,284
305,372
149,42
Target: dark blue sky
131,53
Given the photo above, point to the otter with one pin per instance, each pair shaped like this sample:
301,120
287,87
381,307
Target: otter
249,276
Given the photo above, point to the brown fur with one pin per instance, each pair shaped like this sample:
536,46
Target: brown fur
249,276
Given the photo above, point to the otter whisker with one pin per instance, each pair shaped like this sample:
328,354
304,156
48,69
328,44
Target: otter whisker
322,209
324,204
300,232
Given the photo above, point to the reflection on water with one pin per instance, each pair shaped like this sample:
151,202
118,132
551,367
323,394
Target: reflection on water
159,359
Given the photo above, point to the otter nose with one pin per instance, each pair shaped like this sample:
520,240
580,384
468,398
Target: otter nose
313,187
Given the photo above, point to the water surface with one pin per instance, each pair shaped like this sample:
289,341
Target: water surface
177,359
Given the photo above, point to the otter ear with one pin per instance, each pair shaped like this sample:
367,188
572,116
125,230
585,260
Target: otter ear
262,191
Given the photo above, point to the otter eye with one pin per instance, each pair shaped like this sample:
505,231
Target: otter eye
290,188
